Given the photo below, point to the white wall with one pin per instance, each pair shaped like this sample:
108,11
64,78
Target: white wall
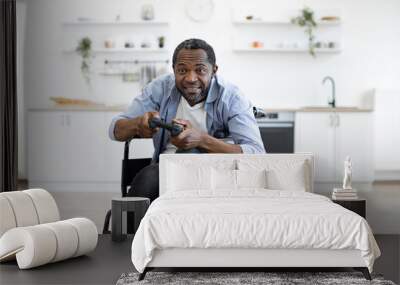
370,35
387,134
21,21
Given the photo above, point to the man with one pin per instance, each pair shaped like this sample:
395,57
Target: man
216,118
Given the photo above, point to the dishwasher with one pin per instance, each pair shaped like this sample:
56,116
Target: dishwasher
277,131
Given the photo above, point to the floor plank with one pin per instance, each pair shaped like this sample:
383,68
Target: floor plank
102,266
111,259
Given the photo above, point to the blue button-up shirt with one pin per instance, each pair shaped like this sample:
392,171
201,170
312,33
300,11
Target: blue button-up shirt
229,114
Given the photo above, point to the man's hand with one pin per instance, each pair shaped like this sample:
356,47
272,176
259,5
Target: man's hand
185,123
144,131
192,138
189,138
126,129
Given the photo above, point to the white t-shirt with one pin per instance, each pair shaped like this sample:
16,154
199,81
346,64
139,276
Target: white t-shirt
196,115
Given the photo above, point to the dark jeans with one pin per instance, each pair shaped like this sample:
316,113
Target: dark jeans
145,184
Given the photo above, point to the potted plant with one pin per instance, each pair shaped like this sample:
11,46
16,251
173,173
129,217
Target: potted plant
306,19
84,49
161,41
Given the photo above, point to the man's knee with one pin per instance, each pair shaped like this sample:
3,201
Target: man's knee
146,183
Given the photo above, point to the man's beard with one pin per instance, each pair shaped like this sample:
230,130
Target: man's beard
195,99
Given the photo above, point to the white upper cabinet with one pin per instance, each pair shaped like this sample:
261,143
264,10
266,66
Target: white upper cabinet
332,136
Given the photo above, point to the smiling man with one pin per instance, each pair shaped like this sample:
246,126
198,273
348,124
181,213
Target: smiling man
215,116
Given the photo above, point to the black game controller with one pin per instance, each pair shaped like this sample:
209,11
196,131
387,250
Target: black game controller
174,129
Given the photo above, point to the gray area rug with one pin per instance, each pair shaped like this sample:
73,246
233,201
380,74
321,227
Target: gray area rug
269,278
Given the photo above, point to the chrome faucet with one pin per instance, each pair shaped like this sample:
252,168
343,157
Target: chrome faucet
333,101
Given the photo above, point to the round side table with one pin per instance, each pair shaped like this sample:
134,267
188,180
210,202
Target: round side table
119,208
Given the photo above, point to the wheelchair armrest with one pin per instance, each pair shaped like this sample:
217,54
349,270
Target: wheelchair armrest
126,149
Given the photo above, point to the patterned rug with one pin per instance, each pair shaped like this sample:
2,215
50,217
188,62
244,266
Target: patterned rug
243,278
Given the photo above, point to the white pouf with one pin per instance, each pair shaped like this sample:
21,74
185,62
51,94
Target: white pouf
31,232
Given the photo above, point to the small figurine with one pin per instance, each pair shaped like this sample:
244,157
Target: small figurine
347,174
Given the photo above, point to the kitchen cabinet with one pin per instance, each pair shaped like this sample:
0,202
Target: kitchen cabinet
66,146
113,153
46,146
71,150
354,137
331,136
387,134
314,133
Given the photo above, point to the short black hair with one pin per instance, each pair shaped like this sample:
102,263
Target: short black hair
195,44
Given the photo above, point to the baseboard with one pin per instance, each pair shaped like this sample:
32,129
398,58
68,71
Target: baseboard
113,187
387,175
22,184
92,205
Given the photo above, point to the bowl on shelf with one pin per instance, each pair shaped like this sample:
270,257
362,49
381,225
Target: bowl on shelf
330,19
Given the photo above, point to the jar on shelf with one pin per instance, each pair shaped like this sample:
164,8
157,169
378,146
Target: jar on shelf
109,43
147,13
257,44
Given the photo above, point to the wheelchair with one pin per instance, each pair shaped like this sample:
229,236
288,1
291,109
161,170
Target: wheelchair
130,167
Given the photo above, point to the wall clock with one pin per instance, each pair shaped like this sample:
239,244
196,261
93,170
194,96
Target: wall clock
199,10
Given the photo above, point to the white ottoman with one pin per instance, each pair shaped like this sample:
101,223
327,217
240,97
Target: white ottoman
31,232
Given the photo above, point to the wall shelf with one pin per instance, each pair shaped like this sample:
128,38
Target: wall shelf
281,22
124,50
108,22
79,22
114,73
287,50
280,35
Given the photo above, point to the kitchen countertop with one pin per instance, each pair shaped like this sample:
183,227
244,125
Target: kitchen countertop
99,108
330,109
121,108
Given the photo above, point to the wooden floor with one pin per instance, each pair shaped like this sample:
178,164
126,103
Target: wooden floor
102,266
111,259
383,205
